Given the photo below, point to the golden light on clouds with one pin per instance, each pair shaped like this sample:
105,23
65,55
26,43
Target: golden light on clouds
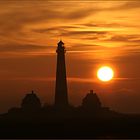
84,24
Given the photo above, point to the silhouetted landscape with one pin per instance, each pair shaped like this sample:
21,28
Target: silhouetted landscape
62,120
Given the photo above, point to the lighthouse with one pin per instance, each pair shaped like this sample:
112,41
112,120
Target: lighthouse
61,93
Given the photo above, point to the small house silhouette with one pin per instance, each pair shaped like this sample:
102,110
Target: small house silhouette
31,102
91,102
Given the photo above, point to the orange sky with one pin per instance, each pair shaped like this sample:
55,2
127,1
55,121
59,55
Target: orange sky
95,33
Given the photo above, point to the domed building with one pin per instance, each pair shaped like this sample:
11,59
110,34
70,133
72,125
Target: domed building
31,102
91,102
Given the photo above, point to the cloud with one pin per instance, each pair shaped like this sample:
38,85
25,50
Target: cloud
20,47
128,38
72,31
81,80
55,29
104,24
130,5
32,13
80,13
82,33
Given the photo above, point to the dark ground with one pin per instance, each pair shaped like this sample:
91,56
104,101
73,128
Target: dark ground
43,125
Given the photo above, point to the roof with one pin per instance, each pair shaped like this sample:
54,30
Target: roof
60,42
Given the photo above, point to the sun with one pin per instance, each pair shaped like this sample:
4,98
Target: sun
105,73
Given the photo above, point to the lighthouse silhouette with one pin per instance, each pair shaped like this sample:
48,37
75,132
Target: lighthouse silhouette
61,93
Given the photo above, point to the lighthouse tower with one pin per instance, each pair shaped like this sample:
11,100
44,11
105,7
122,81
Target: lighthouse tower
61,94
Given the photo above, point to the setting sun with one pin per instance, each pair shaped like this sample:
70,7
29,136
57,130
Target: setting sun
105,73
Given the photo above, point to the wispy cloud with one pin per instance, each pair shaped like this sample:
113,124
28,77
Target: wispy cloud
21,47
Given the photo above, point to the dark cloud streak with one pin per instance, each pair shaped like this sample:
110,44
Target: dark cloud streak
21,47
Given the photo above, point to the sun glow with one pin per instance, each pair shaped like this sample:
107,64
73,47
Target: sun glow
105,73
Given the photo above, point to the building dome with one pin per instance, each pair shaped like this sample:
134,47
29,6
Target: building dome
91,101
31,102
